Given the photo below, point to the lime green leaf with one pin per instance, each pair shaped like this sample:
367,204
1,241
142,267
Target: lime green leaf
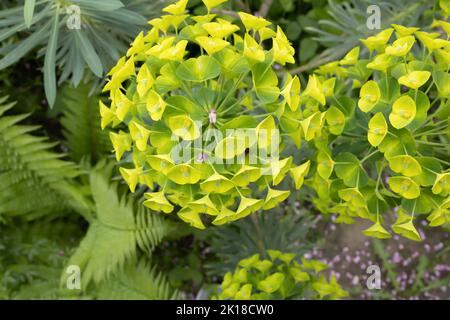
139,134
377,129
252,50
211,4
265,81
314,89
230,147
335,119
299,173
253,23
273,254
377,231
325,164
131,176
369,95
401,46
203,205
347,167
422,107
442,184
121,143
160,162
407,230
184,174
406,165
442,81
216,184
157,201
250,261
264,132
192,218
177,8
430,166
184,127
263,265
198,69
404,186
272,283
247,206
225,215
298,275
403,112
415,79
350,58
245,175
244,293
212,45
274,197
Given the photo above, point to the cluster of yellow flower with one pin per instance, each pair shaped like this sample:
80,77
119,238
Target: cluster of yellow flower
187,75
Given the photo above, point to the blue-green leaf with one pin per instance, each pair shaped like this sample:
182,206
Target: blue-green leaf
88,53
28,11
49,63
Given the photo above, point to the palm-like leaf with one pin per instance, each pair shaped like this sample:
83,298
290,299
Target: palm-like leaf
106,28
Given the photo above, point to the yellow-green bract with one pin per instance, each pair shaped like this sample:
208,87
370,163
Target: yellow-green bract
390,154
205,87
279,275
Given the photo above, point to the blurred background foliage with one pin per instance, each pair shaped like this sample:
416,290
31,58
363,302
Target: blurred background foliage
61,201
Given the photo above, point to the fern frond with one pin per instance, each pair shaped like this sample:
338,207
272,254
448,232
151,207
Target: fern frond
81,123
140,282
34,180
115,232
32,257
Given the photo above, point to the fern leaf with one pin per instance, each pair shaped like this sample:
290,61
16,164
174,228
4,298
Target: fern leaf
115,232
139,282
34,180
81,123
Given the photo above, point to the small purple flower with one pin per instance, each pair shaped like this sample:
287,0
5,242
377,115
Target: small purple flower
396,258
438,246
202,158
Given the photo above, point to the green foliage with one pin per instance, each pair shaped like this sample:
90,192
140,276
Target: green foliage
367,137
32,258
284,228
345,24
280,276
34,181
115,231
420,284
391,149
37,184
81,123
174,115
103,31
137,282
